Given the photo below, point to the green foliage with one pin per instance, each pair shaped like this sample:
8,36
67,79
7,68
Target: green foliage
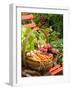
24,33
58,44
30,39
53,20
40,37
31,42
27,44
53,36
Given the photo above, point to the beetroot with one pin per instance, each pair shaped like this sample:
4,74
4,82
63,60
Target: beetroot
49,46
54,51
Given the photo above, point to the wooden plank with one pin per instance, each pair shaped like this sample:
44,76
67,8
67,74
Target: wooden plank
32,25
27,17
36,28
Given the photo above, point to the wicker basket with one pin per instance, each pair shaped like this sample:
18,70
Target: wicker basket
37,65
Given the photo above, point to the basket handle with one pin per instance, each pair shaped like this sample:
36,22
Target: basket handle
25,41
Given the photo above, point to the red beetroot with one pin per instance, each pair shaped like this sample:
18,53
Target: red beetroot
46,48
54,51
49,46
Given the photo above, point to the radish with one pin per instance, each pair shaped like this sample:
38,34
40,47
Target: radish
43,49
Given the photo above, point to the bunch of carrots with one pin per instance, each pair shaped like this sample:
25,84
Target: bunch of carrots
44,53
39,56
44,57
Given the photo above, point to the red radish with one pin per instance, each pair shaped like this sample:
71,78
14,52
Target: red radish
36,51
43,49
50,54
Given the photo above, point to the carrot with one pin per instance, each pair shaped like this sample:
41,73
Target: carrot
57,71
49,57
54,68
42,57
